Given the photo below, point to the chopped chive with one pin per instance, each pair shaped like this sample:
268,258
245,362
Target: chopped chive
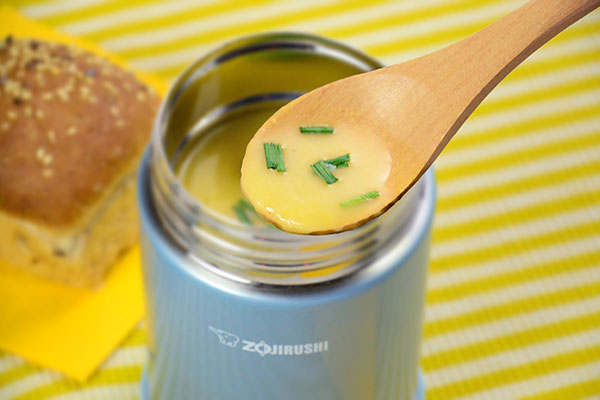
246,205
316,129
242,208
241,214
323,172
274,156
339,162
360,199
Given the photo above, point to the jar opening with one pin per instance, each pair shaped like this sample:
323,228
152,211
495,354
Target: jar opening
258,73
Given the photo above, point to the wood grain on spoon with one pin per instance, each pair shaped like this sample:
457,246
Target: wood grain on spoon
413,108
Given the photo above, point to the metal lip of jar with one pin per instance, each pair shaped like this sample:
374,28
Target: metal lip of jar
217,248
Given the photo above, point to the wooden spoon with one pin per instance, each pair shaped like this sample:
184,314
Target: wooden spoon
416,107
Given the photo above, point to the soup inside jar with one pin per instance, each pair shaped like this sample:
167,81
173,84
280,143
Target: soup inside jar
209,162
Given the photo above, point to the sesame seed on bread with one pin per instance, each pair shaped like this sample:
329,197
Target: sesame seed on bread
70,124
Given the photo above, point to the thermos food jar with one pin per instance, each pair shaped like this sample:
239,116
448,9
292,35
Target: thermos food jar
241,312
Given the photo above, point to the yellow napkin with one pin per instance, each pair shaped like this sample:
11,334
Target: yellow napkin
67,329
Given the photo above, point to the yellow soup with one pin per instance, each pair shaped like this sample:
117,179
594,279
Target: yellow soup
210,159
300,199
210,170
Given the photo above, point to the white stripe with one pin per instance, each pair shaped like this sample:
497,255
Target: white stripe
541,384
505,326
480,124
489,179
515,292
340,19
131,15
190,28
51,8
188,54
343,19
426,26
9,362
115,391
513,358
28,383
136,355
537,196
503,265
548,52
515,231
527,141
543,80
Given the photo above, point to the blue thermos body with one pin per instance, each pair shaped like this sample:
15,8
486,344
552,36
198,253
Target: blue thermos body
238,312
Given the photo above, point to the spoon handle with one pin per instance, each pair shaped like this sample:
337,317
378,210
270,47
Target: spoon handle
465,72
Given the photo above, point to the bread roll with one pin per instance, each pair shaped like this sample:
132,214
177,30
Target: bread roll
72,129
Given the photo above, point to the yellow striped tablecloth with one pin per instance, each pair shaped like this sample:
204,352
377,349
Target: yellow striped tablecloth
513,302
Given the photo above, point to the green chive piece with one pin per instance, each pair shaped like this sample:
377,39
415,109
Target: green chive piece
243,208
339,162
247,206
241,214
323,172
274,156
316,129
360,199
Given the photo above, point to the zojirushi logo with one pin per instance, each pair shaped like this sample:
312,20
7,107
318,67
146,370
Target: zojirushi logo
262,348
